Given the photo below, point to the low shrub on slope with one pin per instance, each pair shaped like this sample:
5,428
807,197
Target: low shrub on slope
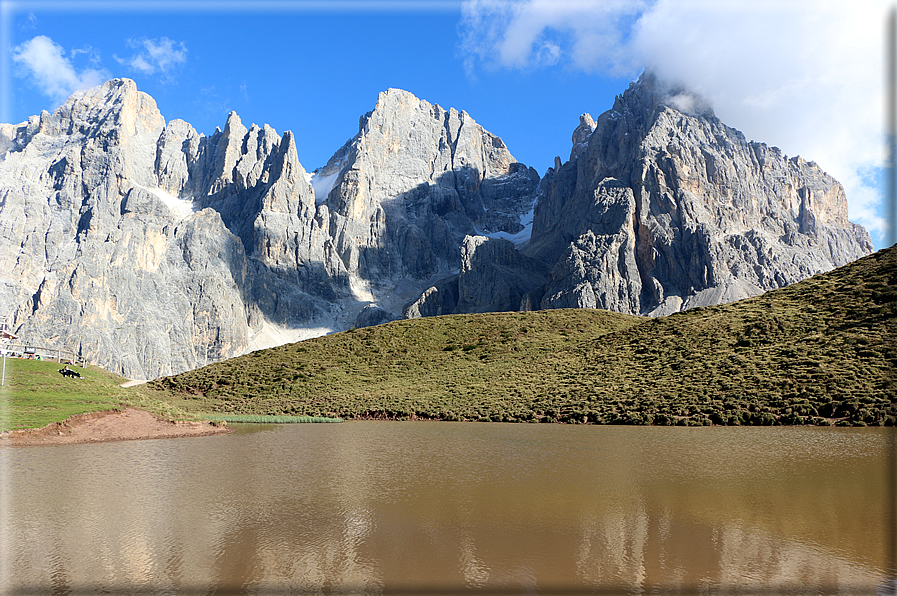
451,367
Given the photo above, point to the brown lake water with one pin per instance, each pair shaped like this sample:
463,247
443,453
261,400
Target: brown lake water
444,508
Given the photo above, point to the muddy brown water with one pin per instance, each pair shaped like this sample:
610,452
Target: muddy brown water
444,508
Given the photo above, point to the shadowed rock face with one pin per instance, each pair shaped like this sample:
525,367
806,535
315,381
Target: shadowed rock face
661,209
494,277
415,181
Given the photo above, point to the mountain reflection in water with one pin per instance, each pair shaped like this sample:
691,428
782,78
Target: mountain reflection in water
421,507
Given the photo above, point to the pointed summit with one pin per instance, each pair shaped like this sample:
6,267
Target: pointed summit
414,181
649,95
116,103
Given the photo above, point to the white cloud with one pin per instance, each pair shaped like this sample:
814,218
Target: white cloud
29,22
43,62
509,33
804,75
683,102
153,56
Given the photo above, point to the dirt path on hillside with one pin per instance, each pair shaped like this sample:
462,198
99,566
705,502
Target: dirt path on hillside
112,425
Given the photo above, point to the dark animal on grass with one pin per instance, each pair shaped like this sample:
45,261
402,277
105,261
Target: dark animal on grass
67,372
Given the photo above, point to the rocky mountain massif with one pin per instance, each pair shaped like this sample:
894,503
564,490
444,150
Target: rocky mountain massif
660,208
152,249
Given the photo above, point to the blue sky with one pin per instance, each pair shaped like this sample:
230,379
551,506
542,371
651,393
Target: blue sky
804,76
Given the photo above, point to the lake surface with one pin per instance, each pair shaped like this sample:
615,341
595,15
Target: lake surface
444,508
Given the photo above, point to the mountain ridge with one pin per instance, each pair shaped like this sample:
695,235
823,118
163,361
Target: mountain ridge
660,210
151,249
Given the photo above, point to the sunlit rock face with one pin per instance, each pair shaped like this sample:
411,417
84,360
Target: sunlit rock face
148,249
662,207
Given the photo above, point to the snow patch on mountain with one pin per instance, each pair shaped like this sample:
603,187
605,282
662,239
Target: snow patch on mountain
270,334
524,235
180,207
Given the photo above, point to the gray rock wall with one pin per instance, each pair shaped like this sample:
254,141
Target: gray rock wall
681,211
150,248
96,262
413,183
494,277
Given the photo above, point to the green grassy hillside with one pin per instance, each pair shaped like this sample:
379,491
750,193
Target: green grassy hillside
35,394
450,367
817,352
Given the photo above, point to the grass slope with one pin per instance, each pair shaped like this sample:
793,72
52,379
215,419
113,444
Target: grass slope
35,394
449,367
816,352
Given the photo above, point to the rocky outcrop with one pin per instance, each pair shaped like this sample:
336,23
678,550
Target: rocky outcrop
662,207
494,277
439,299
597,269
372,315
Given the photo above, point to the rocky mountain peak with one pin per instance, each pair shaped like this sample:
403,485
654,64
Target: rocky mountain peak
114,111
233,130
666,208
581,136
646,98
114,105
424,177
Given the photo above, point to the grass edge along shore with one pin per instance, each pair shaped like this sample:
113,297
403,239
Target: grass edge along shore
36,395
819,352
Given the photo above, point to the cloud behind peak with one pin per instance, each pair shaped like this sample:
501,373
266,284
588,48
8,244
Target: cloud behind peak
43,62
154,56
804,75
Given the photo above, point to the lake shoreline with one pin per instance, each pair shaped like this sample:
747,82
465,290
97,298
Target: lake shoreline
130,424
127,424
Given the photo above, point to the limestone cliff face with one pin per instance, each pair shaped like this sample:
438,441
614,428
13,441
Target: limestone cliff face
97,258
151,249
662,207
494,277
